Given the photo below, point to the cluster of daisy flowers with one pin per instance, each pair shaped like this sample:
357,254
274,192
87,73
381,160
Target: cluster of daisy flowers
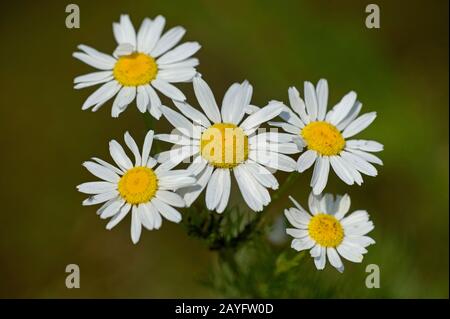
223,141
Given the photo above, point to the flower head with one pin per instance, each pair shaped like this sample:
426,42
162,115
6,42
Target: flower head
224,141
326,135
142,62
327,232
147,191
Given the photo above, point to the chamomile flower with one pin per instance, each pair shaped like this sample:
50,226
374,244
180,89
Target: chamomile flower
146,191
326,135
222,142
141,63
327,232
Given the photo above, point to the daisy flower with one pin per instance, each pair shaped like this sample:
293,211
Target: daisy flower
222,142
326,232
326,135
140,188
141,63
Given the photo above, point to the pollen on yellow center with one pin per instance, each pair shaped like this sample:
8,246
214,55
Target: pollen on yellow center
224,145
138,185
323,137
326,230
135,69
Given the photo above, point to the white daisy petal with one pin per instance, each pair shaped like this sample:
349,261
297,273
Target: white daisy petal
168,41
100,198
306,160
349,254
263,115
350,116
178,121
155,102
322,99
174,139
148,141
119,156
92,77
118,33
322,176
340,170
206,100
291,117
133,148
129,34
94,61
142,34
321,260
188,63
214,190
167,211
228,103
298,105
191,193
142,99
195,115
247,189
286,127
88,84
366,156
262,175
170,198
125,96
101,172
96,187
314,203
181,52
334,259
103,57
315,251
226,188
359,124
311,100
107,165
352,170
360,164
146,216
340,110
168,89
119,216
136,226
103,93
123,49
273,160
343,207
176,75
302,244
297,233
364,145
112,209
153,34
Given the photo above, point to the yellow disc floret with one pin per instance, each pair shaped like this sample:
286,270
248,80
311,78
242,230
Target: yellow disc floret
135,69
324,138
138,185
224,145
326,230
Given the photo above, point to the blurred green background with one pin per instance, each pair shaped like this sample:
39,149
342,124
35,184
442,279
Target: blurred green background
399,70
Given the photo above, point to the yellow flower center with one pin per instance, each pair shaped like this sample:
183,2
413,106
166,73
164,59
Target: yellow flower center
224,145
138,185
323,138
326,230
135,69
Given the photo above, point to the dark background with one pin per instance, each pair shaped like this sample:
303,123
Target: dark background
400,71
